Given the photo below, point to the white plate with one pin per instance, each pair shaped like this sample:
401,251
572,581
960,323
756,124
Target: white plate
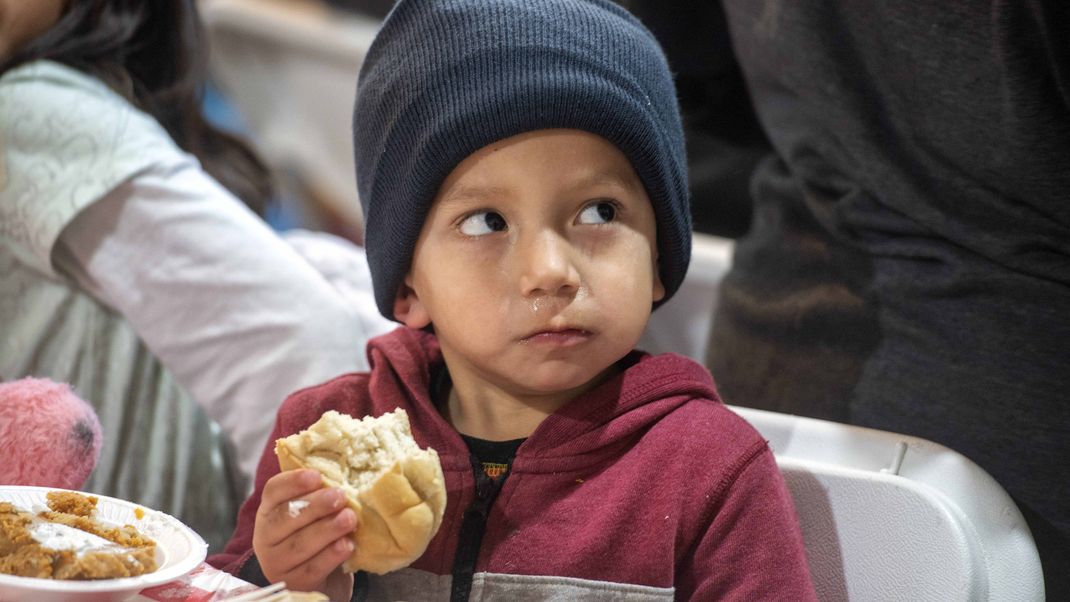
178,551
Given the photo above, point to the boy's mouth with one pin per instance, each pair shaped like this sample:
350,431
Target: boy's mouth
563,337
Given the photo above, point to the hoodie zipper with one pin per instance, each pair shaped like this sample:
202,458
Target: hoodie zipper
473,527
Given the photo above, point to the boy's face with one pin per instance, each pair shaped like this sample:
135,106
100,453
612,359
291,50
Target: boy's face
537,264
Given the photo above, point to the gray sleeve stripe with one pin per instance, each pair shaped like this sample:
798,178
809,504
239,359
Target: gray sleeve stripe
411,584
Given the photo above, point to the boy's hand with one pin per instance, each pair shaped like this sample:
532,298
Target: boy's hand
304,547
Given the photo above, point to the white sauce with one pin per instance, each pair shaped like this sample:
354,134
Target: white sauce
295,507
154,525
61,537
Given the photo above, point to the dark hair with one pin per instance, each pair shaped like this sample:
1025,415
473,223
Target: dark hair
149,52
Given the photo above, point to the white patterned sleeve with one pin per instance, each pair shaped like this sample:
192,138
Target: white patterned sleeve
66,140
238,316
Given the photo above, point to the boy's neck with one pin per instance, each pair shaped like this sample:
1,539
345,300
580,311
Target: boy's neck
487,412
497,420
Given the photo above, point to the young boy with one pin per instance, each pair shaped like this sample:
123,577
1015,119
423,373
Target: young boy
522,170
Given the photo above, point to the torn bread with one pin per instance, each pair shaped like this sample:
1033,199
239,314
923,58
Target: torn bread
395,488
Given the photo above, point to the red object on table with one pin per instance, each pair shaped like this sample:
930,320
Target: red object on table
203,584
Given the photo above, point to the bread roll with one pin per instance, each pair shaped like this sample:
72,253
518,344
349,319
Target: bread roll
395,488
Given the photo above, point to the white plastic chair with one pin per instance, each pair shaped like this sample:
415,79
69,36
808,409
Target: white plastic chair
892,517
682,325
884,516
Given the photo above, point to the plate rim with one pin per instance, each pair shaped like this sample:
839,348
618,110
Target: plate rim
159,577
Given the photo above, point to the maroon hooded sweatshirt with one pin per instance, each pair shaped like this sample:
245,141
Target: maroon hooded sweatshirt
645,488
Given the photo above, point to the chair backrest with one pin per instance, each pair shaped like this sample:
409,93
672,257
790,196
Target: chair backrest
892,517
682,325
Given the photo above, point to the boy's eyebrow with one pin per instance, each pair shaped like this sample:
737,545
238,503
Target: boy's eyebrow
476,193
600,178
607,177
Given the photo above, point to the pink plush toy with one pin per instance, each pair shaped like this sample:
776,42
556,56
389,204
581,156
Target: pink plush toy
49,437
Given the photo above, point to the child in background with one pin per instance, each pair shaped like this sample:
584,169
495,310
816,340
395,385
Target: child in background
522,170
131,265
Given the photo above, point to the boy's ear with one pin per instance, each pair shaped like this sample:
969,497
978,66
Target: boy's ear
407,306
659,288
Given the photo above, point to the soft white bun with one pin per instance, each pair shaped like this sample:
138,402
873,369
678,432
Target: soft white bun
395,488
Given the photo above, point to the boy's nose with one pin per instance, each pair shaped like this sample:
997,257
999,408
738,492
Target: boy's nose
546,266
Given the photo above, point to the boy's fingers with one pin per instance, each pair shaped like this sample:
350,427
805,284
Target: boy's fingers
280,522
314,542
316,568
288,485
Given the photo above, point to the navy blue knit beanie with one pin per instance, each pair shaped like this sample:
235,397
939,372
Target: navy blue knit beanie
444,78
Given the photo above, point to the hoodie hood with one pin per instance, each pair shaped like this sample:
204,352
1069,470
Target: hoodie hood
646,483
593,425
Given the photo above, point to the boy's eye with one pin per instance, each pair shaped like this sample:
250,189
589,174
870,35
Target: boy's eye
483,222
601,212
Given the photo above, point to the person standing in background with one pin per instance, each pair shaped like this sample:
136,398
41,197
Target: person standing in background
907,266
